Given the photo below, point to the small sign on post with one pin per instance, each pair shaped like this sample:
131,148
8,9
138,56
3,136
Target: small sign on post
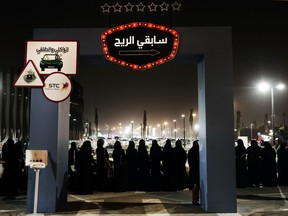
36,159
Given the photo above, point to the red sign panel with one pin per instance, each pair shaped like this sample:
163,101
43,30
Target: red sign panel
140,45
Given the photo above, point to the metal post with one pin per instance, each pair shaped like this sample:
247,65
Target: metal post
184,130
36,190
251,131
175,129
107,126
37,170
132,129
272,117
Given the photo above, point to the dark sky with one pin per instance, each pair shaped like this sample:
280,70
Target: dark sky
260,51
121,95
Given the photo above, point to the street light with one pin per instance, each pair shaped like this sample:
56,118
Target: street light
132,122
175,130
120,128
164,129
74,129
264,87
87,129
183,116
160,130
107,126
191,124
251,131
148,131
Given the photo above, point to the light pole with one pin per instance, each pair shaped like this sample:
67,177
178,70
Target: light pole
107,126
87,129
149,131
120,128
74,128
251,131
272,116
175,130
132,122
183,116
160,130
263,87
164,129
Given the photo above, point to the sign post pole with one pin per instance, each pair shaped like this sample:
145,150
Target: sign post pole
37,171
36,159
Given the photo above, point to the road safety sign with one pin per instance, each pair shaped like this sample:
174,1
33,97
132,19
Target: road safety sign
29,76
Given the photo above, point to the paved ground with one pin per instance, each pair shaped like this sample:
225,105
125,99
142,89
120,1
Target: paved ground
251,201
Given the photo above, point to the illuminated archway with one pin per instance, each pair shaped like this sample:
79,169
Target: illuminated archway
211,48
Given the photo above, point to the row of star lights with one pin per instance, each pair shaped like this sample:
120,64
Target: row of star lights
133,25
106,8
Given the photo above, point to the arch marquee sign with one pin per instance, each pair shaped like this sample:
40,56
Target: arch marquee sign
140,45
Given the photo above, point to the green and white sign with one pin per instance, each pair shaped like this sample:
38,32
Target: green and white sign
53,56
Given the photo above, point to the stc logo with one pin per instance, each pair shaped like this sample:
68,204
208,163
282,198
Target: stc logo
58,86
54,85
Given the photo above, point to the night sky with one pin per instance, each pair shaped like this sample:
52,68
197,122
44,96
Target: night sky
260,51
121,94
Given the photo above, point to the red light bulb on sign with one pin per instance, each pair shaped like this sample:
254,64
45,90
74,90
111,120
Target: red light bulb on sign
140,45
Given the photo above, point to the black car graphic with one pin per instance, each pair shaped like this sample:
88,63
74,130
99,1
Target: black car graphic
51,61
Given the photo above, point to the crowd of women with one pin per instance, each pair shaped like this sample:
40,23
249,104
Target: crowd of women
152,168
14,177
133,168
261,164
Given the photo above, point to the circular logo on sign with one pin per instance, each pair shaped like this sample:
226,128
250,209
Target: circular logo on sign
57,87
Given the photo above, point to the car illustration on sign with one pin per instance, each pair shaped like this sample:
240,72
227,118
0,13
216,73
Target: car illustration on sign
51,61
140,45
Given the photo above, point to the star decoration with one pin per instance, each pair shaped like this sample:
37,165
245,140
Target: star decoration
176,6
164,6
140,7
129,7
152,7
105,8
117,7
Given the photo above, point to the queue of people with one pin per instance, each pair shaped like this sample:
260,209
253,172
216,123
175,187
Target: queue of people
135,168
132,169
261,165
14,173
164,169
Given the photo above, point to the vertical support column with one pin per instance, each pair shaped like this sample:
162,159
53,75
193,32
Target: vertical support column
216,126
49,130
1,102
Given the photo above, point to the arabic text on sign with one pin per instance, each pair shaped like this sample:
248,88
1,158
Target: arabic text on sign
130,40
